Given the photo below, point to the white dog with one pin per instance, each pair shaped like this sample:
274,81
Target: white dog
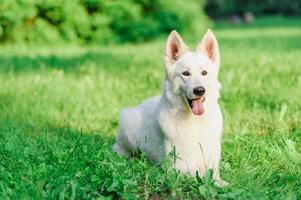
186,117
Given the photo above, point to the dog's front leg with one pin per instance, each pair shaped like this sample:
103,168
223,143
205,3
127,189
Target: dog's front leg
210,159
214,165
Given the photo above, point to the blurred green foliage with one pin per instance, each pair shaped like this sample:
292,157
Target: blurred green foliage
103,21
222,8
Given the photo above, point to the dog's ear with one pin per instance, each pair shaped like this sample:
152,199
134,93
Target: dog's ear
209,47
175,47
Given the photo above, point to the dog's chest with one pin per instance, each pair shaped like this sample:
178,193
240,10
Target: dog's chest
191,131
189,135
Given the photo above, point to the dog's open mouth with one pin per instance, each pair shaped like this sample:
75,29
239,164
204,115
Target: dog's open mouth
196,105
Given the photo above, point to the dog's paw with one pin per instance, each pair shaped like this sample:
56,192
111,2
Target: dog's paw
121,151
221,183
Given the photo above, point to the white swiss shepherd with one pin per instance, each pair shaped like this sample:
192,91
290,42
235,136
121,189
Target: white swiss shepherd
186,117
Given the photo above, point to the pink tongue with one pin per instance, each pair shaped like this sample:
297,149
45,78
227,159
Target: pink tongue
197,106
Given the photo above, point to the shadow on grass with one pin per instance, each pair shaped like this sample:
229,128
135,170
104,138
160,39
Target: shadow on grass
110,60
264,43
103,60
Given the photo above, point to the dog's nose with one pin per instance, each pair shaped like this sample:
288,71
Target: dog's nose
199,91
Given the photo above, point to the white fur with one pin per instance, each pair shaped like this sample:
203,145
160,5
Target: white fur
163,123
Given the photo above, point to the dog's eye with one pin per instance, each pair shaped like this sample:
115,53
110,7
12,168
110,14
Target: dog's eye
186,73
204,72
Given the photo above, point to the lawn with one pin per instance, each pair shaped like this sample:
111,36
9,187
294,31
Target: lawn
59,110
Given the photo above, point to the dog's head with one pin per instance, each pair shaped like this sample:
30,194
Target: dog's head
193,75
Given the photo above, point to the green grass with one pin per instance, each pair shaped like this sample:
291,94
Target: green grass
59,110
